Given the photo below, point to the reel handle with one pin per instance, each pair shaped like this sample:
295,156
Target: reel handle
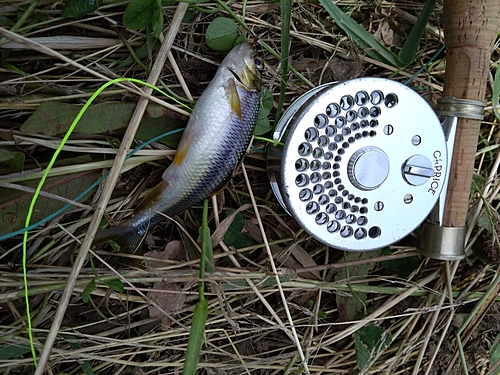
470,29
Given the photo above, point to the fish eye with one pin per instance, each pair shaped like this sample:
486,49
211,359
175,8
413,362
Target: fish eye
259,63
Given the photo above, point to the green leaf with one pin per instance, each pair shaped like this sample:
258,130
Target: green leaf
114,245
55,118
234,237
157,21
207,244
13,351
403,267
14,159
367,339
139,14
361,37
372,335
6,21
495,354
496,93
242,38
116,285
196,336
88,289
266,100
75,344
263,126
362,353
485,221
141,53
76,8
221,34
409,49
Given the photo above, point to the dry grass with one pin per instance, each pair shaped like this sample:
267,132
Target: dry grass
249,327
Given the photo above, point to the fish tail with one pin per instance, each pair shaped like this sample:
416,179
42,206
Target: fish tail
125,235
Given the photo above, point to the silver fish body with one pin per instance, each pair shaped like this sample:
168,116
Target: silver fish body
216,138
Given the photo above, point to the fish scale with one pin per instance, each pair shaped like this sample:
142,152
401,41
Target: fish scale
216,138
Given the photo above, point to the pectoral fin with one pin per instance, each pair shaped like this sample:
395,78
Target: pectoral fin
234,98
181,152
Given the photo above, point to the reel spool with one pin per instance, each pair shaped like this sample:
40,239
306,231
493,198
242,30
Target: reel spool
361,163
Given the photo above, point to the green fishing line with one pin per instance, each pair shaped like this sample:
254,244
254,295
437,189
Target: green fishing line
425,65
88,190
42,181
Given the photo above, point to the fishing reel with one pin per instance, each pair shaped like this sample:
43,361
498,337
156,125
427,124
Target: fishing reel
362,163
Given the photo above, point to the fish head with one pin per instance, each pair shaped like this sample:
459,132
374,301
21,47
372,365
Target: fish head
245,65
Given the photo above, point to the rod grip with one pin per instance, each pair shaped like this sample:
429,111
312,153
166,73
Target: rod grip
470,29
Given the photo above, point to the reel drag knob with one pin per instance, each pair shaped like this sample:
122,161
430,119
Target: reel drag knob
368,168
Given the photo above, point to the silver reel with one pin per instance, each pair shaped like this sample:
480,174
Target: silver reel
360,164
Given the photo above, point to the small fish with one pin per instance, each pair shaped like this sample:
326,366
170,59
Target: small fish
216,137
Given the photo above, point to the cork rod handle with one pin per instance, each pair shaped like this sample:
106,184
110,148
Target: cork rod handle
470,27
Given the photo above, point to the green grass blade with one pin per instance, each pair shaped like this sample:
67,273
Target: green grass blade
13,351
361,37
286,14
461,352
196,335
407,53
23,18
496,93
206,248
197,330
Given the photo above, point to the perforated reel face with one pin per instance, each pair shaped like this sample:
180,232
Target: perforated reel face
363,163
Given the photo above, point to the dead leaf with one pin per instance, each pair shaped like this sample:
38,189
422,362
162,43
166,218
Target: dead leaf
301,258
343,69
252,228
169,297
283,257
14,203
387,34
157,259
